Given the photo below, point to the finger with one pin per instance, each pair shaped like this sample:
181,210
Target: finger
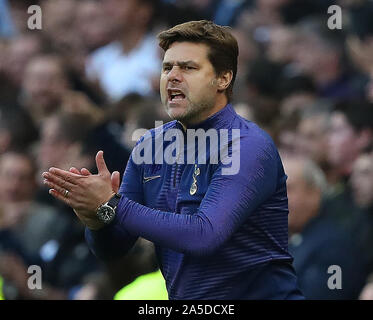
65,175
74,170
85,172
56,187
100,163
115,181
48,177
60,197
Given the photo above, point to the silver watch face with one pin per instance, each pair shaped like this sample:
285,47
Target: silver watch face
105,213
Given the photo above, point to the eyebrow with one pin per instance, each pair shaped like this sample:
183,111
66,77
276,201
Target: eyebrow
180,63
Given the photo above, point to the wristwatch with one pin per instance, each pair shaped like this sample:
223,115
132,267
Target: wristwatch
106,212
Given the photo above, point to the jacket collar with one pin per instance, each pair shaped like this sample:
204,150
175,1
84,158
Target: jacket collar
219,120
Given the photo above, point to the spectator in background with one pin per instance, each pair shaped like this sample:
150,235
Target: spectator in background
20,51
13,60
351,131
362,186
360,40
262,83
281,43
47,89
248,52
361,183
44,86
319,53
298,93
72,138
316,241
40,230
59,25
93,26
312,141
131,62
17,130
362,180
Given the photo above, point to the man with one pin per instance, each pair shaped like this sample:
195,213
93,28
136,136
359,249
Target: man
218,234
362,180
312,138
317,241
351,131
34,233
130,62
318,53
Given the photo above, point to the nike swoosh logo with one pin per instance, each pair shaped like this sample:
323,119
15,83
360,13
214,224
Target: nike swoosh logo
147,179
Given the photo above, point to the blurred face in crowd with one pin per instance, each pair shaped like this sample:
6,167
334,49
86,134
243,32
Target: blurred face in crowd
92,24
304,200
343,143
280,45
58,18
44,84
126,14
312,139
362,181
188,82
21,49
313,57
17,178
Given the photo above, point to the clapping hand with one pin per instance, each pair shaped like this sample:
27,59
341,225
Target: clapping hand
83,191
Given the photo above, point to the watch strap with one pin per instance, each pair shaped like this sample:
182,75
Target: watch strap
114,200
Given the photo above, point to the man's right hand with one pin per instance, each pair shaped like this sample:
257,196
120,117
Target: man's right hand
86,217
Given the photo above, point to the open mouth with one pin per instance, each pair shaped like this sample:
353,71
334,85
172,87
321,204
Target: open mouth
175,95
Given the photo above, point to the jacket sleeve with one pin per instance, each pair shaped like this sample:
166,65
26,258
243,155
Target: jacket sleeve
228,202
114,241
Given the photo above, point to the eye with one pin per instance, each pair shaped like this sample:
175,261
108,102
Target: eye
166,68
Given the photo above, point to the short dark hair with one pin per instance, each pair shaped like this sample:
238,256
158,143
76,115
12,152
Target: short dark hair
223,47
359,113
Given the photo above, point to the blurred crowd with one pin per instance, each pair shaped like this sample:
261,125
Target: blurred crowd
90,78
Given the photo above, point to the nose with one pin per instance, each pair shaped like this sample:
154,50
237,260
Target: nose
174,75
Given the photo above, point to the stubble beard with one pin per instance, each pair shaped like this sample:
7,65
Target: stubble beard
194,111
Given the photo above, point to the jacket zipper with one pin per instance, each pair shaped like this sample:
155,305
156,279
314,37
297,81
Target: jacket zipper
177,165
175,174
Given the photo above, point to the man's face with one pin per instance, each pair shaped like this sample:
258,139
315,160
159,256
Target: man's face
188,84
312,140
44,84
92,24
362,181
17,180
342,142
303,200
121,12
21,50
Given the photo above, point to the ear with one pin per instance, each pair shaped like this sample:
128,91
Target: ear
224,80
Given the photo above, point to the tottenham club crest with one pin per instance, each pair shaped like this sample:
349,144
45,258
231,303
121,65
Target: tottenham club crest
193,188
